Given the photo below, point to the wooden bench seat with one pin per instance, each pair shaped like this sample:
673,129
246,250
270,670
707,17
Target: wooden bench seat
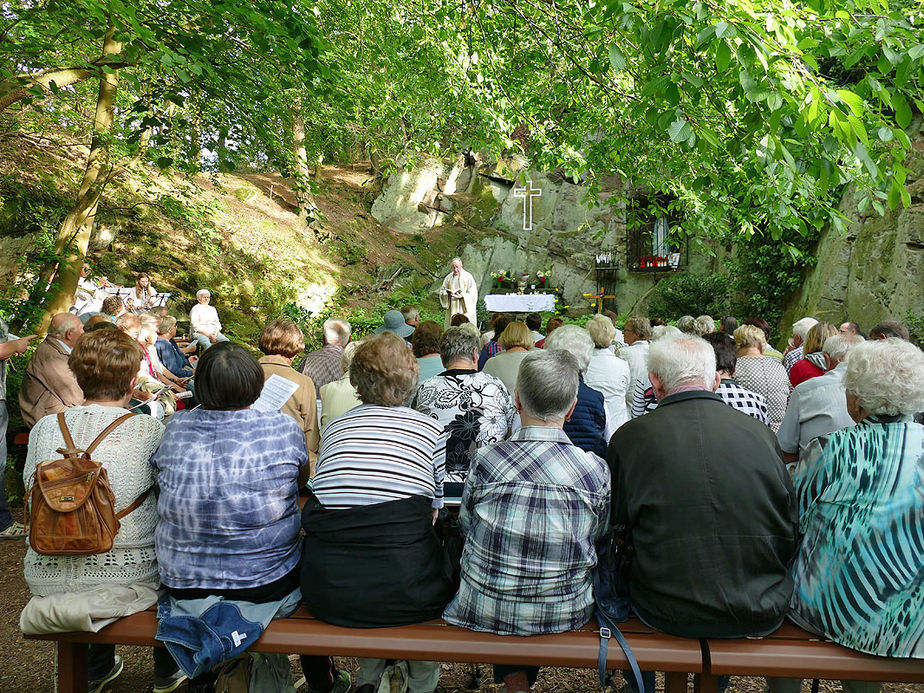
793,652
435,640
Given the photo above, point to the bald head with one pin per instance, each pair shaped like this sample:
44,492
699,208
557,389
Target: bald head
66,327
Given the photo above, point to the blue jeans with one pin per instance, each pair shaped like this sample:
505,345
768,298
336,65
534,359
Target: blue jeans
204,342
5,518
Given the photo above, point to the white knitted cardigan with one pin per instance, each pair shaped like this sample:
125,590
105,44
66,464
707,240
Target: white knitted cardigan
126,454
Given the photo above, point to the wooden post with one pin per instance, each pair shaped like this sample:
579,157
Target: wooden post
675,682
72,667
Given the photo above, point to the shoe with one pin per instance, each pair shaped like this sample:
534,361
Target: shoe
14,531
167,684
341,685
99,684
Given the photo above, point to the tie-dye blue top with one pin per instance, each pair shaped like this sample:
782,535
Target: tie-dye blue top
228,501
860,571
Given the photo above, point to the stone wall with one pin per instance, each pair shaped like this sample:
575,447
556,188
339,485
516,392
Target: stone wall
876,269
568,228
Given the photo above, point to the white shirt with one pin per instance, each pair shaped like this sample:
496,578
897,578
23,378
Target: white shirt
204,317
609,376
636,355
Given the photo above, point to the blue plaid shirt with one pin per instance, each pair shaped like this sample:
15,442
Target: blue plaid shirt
531,509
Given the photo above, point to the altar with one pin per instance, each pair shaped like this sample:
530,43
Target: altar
520,303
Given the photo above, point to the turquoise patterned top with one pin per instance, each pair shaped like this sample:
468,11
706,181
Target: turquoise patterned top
860,570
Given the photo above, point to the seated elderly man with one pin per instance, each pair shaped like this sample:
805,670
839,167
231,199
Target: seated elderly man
204,322
323,365
707,506
475,409
589,425
889,328
793,352
168,351
49,386
532,509
818,405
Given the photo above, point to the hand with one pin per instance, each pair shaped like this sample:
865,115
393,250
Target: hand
21,345
213,338
142,395
436,514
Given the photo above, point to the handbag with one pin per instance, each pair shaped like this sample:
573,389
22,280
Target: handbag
611,597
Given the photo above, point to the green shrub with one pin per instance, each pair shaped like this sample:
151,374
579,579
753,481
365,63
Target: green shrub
691,293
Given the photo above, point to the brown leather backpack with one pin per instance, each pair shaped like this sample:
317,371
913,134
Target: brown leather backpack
72,506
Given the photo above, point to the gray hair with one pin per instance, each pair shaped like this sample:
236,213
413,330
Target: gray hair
886,376
458,343
61,324
547,383
688,360
838,345
801,327
410,312
346,359
336,331
203,292
665,332
575,340
704,324
685,323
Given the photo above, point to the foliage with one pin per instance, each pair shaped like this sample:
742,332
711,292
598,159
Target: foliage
691,293
915,323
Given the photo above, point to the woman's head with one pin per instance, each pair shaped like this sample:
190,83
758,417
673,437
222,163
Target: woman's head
458,319
516,334
817,334
750,336
143,282
601,331
884,377
228,377
384,371
426,338
105,364
282,338
203,296
112,306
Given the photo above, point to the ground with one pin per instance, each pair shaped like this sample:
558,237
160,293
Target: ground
28,666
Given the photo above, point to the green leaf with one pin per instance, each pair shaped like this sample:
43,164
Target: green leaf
695,80
722,56
917,51
617,59
885,134
863,155
680,131
902,110
854,102
164,162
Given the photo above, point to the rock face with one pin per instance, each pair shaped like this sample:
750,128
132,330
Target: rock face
568,228
875,270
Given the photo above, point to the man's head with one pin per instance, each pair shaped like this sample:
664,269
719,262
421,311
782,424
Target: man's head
889,328
534,322
687,362
575,340
167,327
837,346
849,327
411,315
456,265
728,325
553,324
203,296
611,315
130,324
336,331
800,329
636,328
726,353
459,348
66,327
97,322
547,385
501,324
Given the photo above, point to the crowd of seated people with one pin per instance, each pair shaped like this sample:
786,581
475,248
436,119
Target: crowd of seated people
543,458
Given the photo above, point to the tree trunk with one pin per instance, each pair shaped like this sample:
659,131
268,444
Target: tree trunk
74,235
308,210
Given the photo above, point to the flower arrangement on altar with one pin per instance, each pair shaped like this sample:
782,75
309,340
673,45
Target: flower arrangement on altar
500,276
542,278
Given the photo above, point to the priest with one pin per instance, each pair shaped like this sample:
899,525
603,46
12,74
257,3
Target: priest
459,293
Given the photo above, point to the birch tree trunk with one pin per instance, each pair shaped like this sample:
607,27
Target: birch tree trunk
74,236
308,210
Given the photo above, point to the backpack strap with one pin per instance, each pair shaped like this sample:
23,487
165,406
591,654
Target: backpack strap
69,449
134,506
106,431
609,629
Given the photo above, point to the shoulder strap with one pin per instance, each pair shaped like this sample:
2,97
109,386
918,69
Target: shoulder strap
609,629
69,446
106,431
134,506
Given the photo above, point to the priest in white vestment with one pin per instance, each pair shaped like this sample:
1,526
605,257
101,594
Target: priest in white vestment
459,293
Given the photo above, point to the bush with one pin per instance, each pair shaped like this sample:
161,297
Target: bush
691,293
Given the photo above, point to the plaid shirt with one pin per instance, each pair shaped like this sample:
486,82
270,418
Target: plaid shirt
744,400
323,366
531,511
795,355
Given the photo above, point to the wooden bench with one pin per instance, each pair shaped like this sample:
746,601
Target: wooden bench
435,641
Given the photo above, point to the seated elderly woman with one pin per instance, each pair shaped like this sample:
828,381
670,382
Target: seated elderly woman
228,530
588,426
425,344
282,341
861,510
371,557
339,396
516,340
812,364
105,363
607,373
761,374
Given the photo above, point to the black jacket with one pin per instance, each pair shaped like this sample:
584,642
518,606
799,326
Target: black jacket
373,565
713,516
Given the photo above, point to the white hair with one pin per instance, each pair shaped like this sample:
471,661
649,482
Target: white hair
704,324
547,383
575,340
601,330
336,331
665,332
203,292
688,360
685,323
886,376
838,345
801,327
